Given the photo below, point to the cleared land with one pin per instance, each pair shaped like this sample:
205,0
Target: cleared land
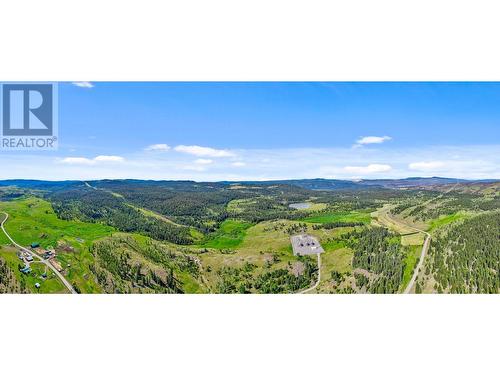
333,217
447,219
238,237
33,220
411,261
230,234
304,244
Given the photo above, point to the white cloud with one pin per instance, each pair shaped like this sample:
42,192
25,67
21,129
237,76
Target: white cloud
475,162
203,151
195,168
96,160
203,161
76,161
84,84
427,166
109,158
158,147
372,168
373,140
238,164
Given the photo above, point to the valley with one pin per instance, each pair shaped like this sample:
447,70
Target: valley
133,236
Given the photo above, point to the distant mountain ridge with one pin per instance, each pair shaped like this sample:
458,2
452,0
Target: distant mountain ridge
310,184
333,184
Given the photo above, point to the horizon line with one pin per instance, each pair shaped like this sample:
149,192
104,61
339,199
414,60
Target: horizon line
253,180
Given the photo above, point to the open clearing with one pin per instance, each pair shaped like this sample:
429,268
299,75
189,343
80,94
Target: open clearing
384,218
308,206
339,260
410,262
446,220
413,239
33,220
230,234
334,217
50,284
267,245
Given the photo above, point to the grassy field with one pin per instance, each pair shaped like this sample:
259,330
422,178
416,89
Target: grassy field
3,238
314,207
337,259
446,220
50,284
395,223
333,217
413,239
260,245
33,220
332,245
411,260
254,244
267,245
230,235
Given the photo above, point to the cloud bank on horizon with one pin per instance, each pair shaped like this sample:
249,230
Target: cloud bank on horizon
185,163
266,131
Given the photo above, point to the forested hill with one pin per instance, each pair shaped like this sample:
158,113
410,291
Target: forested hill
40,184
99,206
309,184
135,236
329,184
466,259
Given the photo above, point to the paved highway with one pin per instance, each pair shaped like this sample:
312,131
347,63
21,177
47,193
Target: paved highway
427,242
425,248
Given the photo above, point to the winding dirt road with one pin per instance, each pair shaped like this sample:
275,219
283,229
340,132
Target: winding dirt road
66,283
318,281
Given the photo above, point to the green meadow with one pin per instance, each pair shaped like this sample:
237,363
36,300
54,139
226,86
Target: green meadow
446,220
411,261
49,284
230,234
333,217
33,220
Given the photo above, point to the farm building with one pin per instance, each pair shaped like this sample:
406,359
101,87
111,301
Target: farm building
48,253
304,244
34,245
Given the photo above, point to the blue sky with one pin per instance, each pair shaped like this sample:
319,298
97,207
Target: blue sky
238,131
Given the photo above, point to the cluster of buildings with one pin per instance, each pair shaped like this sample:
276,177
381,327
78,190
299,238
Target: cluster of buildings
27,258
45,253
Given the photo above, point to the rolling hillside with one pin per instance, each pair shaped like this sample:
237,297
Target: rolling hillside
133,236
